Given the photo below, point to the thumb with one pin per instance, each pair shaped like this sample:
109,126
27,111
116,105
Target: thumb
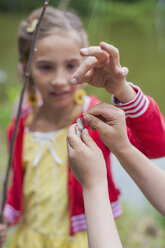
87,139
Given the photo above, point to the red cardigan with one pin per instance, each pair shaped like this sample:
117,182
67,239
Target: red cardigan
146,132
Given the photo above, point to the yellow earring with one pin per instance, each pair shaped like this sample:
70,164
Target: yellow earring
79,97
32,99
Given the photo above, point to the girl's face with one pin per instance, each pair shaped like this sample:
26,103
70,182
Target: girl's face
55,60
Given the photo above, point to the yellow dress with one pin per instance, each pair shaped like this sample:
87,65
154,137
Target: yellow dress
45,219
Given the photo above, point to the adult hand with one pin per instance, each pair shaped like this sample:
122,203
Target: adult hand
109,121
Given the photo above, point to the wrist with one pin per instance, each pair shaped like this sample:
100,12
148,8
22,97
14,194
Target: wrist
124,151
126,93
96,189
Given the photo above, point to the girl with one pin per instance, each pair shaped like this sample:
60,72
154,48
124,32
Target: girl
45,197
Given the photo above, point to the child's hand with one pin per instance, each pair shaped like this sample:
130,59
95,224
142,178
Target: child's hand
109,121
102,69
3,233
86,159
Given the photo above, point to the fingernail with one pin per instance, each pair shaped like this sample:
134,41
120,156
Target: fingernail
84,51
74,81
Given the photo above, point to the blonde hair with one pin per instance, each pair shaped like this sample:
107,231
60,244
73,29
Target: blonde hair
54,21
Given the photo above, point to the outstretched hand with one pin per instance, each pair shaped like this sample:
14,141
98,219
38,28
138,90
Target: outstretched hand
102,69
85,159
109,121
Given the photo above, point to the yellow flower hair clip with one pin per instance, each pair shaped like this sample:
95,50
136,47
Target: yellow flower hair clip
31,26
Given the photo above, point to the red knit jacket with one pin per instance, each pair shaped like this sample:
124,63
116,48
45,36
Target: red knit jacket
146,132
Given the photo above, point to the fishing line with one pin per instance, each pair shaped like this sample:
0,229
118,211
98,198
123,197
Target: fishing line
92,15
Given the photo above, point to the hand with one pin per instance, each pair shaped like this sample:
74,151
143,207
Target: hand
102,69
86,159
3,233
109,121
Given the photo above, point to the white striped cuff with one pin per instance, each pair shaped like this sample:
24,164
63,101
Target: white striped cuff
78,222
135,108
116,209
10,213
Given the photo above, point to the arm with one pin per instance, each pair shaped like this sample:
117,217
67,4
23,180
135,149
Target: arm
101,227
146,125
148,177
112,130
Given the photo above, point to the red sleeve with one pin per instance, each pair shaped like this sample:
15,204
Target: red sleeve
145,124
14,199
147,132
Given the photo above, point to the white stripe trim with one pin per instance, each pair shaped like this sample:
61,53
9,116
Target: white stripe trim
78,223
132,102
122,106
10,213
143,102
80,228
78,217
141,112
116,209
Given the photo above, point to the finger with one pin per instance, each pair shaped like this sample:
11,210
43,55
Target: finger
86,78
95,51
87,139
86,66
96,123
71,133
72,139
112,51
107,111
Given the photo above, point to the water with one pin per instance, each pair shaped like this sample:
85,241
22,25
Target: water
130,193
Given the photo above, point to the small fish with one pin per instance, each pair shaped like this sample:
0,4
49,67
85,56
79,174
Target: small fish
79,126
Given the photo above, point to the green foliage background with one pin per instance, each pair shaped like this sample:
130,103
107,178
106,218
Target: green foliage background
22,5
82,6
